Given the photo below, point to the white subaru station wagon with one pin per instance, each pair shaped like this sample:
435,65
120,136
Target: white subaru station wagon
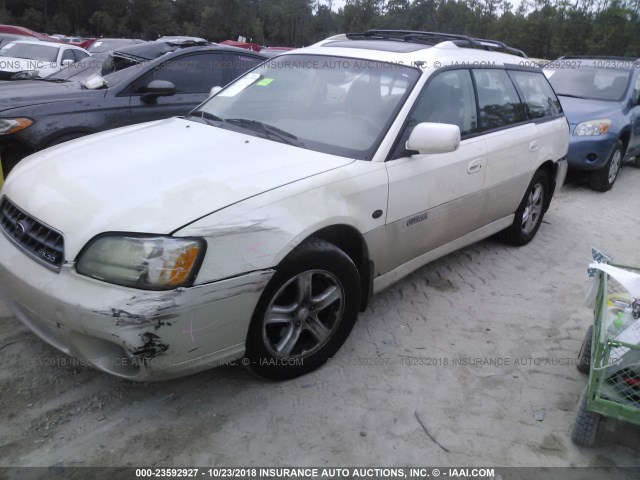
259,225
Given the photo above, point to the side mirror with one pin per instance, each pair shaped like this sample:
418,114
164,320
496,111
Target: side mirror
67,62
158,88
215,90
434,138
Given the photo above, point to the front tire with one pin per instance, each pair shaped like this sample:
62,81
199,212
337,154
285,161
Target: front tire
602,180
306,312
530,212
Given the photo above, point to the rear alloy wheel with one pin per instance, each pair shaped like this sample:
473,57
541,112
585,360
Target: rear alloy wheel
530,212
602,180
306,312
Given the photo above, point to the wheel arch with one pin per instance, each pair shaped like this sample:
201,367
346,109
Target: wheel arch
625,138
55,138
550,168
348,239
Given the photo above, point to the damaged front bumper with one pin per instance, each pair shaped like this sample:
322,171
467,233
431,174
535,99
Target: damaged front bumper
135,334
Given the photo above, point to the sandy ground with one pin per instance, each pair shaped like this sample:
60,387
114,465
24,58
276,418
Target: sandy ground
487,301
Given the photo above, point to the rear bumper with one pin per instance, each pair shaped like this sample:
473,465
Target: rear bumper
135,334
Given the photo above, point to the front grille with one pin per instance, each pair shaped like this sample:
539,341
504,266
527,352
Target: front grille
40,242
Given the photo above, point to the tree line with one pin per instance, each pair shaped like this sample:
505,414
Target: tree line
542,28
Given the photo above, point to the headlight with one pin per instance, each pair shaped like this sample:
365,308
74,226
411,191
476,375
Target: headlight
592,128
146,262
25,75
13,125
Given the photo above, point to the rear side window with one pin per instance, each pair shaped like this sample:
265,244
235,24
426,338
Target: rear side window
498,102
539,98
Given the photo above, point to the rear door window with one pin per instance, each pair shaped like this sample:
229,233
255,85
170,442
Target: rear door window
498,101
539,98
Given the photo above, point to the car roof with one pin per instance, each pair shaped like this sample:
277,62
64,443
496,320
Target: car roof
42,42
155,50
414,48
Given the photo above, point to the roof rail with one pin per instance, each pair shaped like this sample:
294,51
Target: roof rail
433,38
598,57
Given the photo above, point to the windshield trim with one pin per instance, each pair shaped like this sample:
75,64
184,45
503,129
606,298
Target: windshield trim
368,154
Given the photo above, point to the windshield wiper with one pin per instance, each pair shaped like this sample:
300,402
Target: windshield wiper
206,117
210,116
56,80
270,131
570,95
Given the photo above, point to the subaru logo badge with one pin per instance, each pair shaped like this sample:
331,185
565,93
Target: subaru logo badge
22,228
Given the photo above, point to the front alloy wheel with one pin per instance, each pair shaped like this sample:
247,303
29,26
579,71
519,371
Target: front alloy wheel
602,180
305,313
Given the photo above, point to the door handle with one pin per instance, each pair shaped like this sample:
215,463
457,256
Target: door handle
475,166
533,146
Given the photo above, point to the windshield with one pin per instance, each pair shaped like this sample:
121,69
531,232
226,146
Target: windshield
334,105
590,82
30,51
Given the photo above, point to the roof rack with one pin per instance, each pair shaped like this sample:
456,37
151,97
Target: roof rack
599,57
433,38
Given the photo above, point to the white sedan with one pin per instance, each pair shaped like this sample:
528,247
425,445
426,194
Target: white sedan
24,59
260,224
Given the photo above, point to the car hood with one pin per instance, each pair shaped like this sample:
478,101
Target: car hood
25,93
152,178
11,64
581,109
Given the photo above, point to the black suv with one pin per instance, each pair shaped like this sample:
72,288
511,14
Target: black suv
137,84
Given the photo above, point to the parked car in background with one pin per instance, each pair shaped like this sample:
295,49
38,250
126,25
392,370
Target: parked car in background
6,38
261,223
246,45
601,98
183,40
100,45
110,91
26,59
25,32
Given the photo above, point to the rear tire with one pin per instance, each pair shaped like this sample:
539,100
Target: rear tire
585,426
530,212
305,313
602,180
